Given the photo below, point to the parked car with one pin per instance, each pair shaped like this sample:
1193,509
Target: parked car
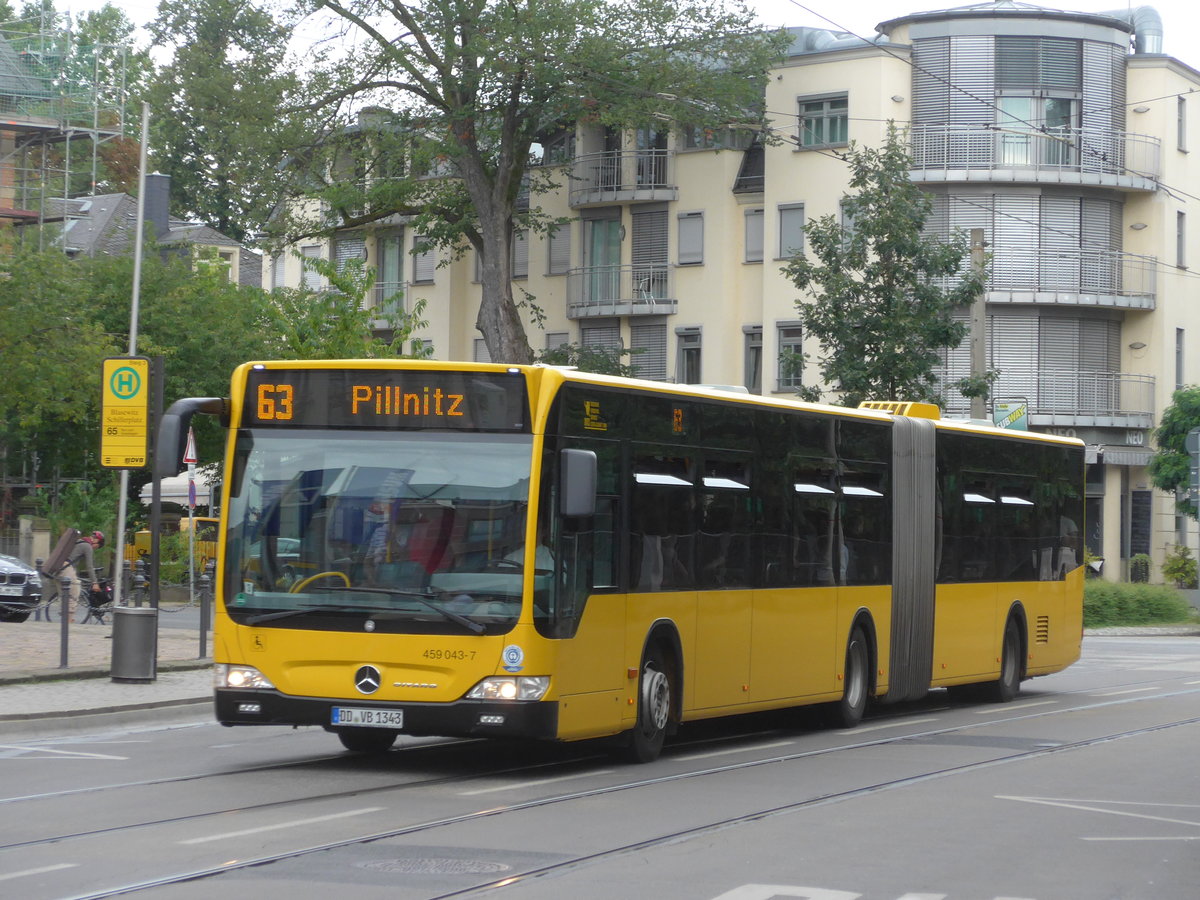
20,589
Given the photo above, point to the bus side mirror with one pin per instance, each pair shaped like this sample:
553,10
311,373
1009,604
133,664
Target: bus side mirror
172,432
578,494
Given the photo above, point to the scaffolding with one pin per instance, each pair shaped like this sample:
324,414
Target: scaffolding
62,107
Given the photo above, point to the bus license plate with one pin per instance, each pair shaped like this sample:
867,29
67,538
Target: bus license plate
369,718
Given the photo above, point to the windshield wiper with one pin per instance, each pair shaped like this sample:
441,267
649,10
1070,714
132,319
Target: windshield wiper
305,610
424,598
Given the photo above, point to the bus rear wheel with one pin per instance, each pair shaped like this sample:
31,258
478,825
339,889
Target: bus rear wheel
366,740
848,712
1005,688
645,741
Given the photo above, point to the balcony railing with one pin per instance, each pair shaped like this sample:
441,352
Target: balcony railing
1071,397
1073,276
617,176
1066,155
620,291
387,298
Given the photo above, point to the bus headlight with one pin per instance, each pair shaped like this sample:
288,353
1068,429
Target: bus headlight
227,676
522,687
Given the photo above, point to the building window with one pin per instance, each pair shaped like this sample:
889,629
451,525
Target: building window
601,333
520,254
687,356
560,250
277,271
691,238
754,235
791,360
824,121
752,377
1181,240
649,343
312,278
1181,123
389,272
481,351
556,339
424,262
1179,357
791,230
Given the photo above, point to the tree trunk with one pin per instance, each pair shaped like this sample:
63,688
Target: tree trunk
499,321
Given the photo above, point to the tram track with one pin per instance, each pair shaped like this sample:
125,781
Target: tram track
433,825
582,860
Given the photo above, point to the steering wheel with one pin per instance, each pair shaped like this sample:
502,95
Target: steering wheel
502,563
301,585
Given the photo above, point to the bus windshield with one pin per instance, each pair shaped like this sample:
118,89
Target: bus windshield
377,530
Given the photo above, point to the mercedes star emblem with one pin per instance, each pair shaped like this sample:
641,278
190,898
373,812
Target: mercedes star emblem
367,679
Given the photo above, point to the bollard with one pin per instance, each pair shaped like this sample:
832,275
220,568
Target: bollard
64,615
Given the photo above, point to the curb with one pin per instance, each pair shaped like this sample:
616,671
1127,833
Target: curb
170,713
33,676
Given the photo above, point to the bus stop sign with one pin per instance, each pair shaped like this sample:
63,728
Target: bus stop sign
125,412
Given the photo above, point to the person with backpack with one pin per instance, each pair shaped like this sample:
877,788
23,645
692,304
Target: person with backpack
79,561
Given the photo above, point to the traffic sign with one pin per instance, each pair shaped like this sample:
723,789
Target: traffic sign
189,452
125,412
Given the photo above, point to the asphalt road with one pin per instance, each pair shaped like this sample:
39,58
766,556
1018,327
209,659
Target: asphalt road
1085,787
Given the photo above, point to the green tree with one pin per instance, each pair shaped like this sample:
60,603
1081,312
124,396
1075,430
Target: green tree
473,84
605,360
220,120
337,323
875,300
1170,467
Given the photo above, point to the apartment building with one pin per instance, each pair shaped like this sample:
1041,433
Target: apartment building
1063,136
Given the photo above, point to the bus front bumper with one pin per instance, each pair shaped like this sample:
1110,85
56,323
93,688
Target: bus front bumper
463,718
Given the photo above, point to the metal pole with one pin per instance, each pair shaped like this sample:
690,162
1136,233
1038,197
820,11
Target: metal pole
123,493
978,326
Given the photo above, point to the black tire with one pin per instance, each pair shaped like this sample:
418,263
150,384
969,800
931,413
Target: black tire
848,712
1006,687
655,697
366,740
13,614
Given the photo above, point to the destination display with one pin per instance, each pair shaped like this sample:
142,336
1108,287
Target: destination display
385,398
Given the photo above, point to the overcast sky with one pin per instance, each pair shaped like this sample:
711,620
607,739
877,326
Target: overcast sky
1181,18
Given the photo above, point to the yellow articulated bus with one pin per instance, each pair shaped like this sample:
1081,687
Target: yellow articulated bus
481,550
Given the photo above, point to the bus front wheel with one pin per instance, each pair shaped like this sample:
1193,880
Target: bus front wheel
366,740
645,742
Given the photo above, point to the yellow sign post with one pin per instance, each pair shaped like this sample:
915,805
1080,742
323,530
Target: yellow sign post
125,413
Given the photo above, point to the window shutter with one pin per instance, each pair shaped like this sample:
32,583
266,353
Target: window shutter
423,263
931,89
754,235
347,247
277,262
601,333
691,238
971,101
649,239
520,252
312,278
791,230
1013,349
652,341
560,250
1059,257
481,351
